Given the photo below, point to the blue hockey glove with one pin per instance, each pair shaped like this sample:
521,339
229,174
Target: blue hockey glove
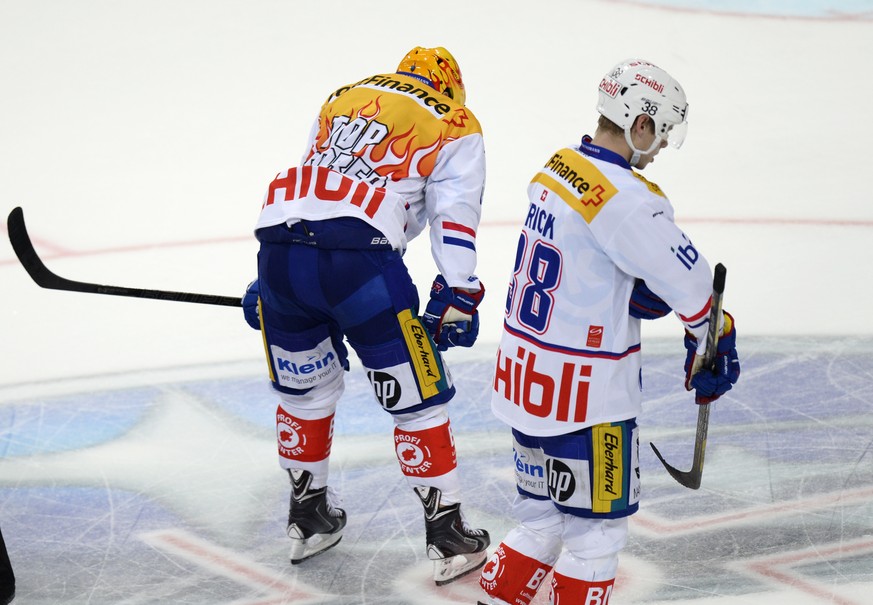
250,305
709,385
451,317
459,334
645,304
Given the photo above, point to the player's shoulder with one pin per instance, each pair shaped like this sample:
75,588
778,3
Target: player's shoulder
583,183
590,184
401,95
650,186
460,122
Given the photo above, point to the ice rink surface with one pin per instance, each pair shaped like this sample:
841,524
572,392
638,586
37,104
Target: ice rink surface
137,441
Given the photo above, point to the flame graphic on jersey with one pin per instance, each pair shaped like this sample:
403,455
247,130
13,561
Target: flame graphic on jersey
377,109
397,156
368,112
321,137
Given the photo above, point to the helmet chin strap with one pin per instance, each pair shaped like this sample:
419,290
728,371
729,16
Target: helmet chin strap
638,153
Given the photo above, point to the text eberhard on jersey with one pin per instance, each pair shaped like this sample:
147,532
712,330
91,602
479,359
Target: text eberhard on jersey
396,154
569,356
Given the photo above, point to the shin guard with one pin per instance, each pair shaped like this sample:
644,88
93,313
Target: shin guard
570,591
427,458
511,577
304,440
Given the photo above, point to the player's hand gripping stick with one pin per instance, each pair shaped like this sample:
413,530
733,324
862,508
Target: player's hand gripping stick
451,317
692,478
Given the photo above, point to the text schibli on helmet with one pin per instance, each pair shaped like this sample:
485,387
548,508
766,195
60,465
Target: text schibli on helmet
635,87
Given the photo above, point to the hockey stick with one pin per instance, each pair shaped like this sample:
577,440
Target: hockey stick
692,478
41,274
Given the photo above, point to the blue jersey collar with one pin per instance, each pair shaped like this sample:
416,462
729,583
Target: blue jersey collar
602,153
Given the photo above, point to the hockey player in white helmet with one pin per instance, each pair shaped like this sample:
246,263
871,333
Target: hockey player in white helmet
635,89
598,252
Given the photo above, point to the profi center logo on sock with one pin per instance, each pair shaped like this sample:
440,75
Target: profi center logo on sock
287,431
412,454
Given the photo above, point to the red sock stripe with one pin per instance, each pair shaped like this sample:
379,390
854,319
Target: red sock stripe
512,577
427,453
570,591
303,440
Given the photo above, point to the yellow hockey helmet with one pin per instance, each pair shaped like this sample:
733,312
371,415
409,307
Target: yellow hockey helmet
437,68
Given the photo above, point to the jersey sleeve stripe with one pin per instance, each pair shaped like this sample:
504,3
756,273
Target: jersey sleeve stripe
458,227
700,314
698,324
454,241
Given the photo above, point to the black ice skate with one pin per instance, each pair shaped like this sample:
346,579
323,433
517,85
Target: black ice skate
314,524
455,548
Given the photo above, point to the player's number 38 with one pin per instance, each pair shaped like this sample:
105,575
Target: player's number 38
535,275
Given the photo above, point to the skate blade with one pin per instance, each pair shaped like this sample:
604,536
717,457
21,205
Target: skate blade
317,544
452,568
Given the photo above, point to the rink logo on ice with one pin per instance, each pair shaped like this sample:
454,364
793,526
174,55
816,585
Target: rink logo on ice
304,369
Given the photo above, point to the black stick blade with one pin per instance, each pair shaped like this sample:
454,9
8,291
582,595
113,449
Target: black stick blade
23,247
690,479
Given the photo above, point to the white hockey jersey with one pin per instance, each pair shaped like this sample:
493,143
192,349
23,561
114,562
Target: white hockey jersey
569,356
417,153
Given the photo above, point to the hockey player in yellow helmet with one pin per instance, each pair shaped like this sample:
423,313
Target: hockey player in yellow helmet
437,68
388,157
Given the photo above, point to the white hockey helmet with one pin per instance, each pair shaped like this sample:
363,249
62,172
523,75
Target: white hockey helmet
635,87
